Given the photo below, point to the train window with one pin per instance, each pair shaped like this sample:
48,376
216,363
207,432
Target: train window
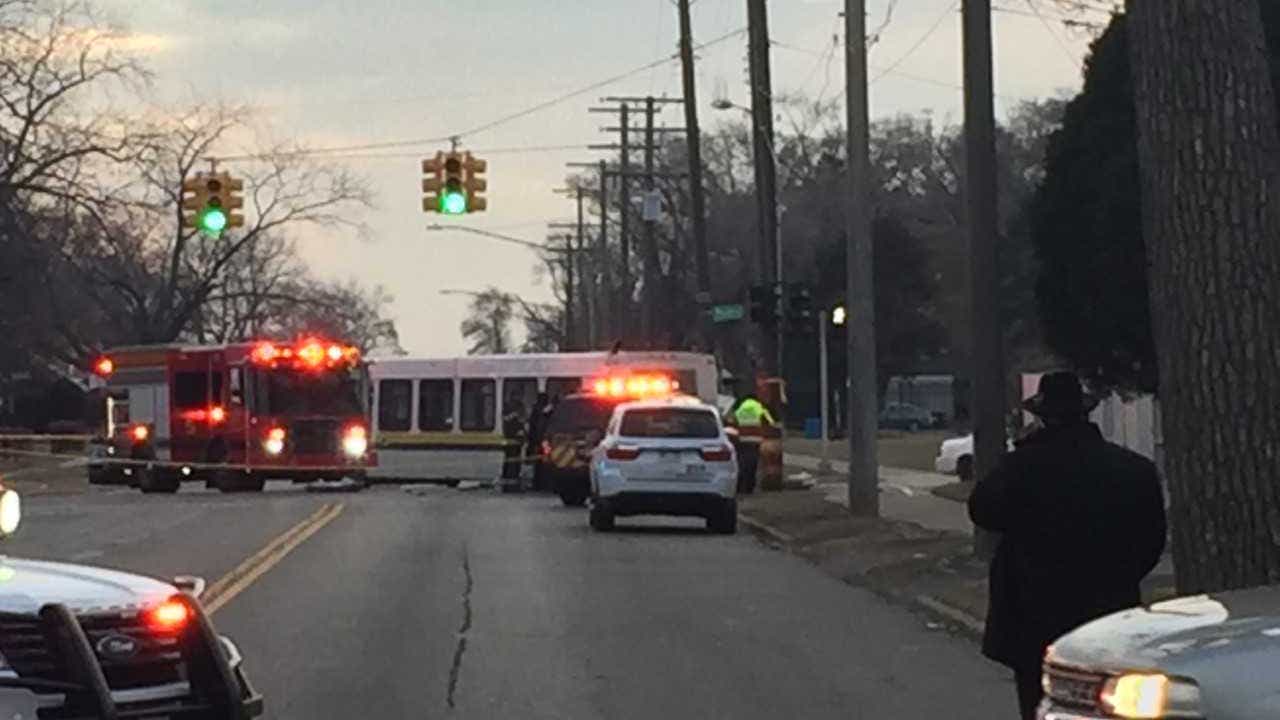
435,405
478,404
395,405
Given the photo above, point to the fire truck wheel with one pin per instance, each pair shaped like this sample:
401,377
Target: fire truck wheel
153,480
230,481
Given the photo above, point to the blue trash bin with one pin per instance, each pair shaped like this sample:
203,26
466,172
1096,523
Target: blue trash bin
813,428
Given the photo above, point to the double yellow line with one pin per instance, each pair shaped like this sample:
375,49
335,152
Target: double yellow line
227,587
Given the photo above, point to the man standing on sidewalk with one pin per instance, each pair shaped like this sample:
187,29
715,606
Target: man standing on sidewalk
1082,522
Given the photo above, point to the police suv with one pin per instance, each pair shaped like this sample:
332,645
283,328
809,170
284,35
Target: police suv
667,456
85,642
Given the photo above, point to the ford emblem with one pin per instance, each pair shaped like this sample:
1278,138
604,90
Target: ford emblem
117,647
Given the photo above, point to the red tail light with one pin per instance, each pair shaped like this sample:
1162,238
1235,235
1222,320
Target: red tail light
169,616
717,453
622,452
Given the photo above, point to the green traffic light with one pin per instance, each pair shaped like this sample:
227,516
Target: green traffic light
212,220
453,203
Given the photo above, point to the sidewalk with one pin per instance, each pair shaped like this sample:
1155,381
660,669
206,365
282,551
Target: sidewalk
904,494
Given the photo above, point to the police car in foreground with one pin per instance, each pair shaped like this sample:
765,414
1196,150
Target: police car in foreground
666,456
85,642
1206,657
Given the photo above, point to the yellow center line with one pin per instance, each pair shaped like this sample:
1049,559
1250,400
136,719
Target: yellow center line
226,588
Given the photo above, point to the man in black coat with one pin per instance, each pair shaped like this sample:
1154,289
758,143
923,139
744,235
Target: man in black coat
1082,522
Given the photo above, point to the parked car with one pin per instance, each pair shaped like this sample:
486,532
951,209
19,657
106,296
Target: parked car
955,457
1205,656
905,416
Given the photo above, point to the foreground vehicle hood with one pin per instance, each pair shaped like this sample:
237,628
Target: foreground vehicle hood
1220,641
26,585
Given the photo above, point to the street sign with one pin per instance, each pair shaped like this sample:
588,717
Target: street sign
727,313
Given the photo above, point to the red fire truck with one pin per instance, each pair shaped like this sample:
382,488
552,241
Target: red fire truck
232,415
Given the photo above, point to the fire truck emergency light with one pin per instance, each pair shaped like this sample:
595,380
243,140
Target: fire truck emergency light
312,354
104,366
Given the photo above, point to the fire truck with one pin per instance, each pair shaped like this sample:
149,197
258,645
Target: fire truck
232,415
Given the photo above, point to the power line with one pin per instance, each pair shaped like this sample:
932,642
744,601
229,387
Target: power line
481,151
504,119
919,43
1049,29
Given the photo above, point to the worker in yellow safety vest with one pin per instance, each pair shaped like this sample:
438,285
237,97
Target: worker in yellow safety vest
751,415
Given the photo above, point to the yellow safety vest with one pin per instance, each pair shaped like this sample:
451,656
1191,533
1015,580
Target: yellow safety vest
752,413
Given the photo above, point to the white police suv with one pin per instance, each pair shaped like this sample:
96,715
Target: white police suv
85,642
666,456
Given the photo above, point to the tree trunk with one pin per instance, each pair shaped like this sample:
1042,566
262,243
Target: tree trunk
1207,146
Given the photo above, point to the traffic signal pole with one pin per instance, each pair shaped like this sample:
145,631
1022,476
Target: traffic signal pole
864,478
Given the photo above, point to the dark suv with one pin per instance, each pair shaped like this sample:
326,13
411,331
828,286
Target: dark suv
575,426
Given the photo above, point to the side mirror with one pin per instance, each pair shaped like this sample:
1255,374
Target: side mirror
192,585
10,512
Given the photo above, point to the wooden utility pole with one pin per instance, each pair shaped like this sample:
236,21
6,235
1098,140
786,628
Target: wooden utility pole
1207,155
586,275
605,298
570,337
987,370
863,404
767,271
697,202
651,262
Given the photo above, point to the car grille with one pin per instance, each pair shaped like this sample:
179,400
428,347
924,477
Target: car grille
1072,688
33,654
314,437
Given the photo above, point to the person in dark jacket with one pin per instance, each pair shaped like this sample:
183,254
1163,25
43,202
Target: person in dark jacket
535,428
513,434
1082,522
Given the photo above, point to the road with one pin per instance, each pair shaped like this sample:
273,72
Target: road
428,602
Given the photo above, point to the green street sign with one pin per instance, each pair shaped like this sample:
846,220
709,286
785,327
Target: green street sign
727,313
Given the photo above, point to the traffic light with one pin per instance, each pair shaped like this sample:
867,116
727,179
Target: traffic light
763,304
475,183
432,182
212,199
839,316
799,309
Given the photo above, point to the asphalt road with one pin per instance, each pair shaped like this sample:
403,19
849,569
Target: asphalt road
439,603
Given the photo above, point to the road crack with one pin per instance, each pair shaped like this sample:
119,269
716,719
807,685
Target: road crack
456,668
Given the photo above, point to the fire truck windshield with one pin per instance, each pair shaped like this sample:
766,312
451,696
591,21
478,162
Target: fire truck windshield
332,393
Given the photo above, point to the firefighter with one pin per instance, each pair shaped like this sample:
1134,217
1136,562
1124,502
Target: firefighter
751,417
513,445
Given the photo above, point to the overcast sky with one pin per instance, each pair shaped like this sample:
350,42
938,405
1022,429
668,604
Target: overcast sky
347,72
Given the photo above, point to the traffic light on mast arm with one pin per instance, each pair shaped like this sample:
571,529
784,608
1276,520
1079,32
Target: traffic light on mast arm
432,182
453,184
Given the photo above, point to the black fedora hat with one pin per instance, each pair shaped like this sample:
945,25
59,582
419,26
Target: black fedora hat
1060,395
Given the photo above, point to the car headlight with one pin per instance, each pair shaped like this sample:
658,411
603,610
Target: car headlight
1153,696
355,441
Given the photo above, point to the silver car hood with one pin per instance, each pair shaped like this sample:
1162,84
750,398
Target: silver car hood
26,585
1221,641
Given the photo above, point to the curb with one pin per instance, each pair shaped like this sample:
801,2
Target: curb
929,604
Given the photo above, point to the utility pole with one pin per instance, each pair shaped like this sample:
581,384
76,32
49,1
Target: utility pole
587,274
697,201
651,270
987,370
768,248
569,322
604,308
864,469
624,227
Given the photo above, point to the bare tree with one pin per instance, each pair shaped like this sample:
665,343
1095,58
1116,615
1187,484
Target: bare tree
167,272
487,325
1209,157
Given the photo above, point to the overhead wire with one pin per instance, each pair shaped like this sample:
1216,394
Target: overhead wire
1049,29
919,43
390,144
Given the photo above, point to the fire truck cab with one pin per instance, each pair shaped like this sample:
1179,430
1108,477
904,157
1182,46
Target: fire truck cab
232,415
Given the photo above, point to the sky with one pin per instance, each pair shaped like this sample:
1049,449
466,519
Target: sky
350,72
